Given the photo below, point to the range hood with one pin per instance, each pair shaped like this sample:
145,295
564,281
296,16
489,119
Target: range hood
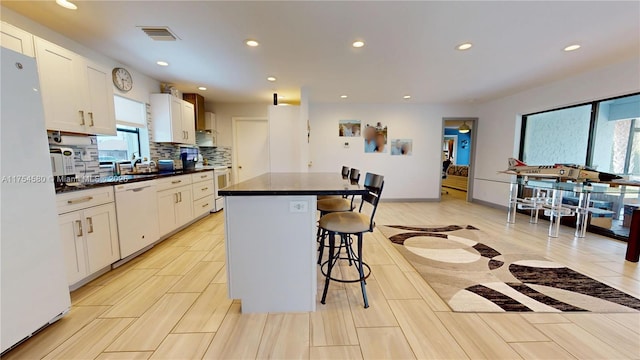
206,136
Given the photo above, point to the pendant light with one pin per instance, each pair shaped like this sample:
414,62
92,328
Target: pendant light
464,128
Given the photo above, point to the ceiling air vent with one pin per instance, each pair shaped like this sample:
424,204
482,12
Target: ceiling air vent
159,33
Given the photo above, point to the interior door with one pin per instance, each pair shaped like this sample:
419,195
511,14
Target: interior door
252,144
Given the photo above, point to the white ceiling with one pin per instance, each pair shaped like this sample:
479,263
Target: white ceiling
410,46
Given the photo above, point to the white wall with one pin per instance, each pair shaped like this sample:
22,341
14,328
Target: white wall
499,120
142,84
226,111
406,177
285,142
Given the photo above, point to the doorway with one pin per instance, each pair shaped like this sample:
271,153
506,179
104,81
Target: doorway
458,155
250,147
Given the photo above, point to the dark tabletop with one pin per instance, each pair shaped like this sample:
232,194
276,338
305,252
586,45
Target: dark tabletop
294,184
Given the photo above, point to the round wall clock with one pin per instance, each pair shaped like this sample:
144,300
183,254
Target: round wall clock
122,79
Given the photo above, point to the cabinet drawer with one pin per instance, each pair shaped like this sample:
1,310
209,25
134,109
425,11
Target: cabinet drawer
202,176
202,206
202,189
173,182
83,199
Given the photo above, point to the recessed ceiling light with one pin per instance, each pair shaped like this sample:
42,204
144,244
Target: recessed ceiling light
343,96
358,44
271,78
572,47
202,88
407,97
162,63
252,43
465,46
67,4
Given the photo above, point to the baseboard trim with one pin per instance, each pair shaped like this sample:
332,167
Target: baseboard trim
489,204
410,200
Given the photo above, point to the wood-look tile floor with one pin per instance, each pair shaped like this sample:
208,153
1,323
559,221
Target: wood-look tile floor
171,303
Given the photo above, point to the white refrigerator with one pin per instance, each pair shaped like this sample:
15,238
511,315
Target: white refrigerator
33,283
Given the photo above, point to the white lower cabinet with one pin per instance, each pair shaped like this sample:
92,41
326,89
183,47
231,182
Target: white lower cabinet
89,235
184,209
101,237
72,236
175,206
202,189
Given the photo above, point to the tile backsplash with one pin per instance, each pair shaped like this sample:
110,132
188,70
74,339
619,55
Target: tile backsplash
89,167
218,156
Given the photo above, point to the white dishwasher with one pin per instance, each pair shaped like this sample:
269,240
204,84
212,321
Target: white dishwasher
137,211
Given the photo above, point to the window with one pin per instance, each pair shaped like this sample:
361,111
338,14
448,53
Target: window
121,147
617,139
558,136
602,134
131,139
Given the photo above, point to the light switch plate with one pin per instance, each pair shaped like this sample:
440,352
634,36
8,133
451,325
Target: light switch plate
298,206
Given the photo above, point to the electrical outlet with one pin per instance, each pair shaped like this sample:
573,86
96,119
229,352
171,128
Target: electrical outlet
298,206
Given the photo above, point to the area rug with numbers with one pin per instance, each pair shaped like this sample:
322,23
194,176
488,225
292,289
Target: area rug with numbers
472,273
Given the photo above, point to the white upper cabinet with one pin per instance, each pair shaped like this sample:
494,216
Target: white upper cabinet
173,119
77,94
100,107
16,39
59,71
189,122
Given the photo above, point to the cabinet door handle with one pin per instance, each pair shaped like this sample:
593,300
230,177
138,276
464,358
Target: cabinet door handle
90,223
205,188
205,205
176,181
176,196
79,228
91,119
203,176
81,117
79,200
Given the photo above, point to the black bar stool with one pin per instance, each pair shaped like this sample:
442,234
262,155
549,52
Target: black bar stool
335,204
345,174
347,224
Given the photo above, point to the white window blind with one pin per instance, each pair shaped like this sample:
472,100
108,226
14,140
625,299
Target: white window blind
130,112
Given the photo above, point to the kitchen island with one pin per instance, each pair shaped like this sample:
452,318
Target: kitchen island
270,224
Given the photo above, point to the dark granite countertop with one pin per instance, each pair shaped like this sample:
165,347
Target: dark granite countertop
294,184
125,179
